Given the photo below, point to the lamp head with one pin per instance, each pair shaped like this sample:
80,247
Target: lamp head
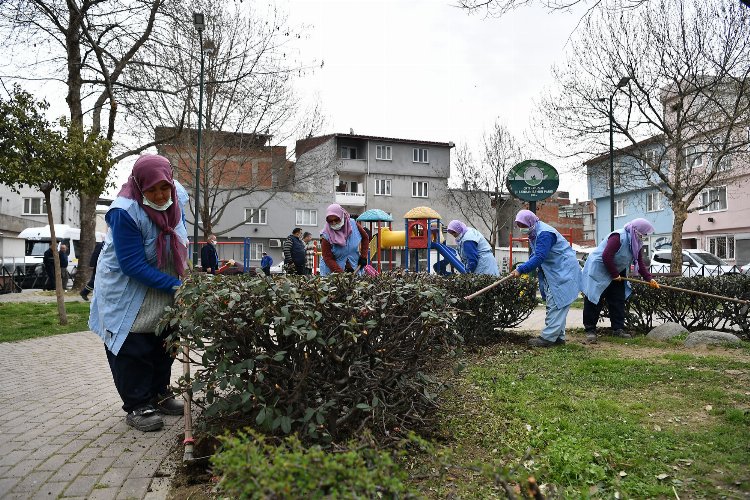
199,21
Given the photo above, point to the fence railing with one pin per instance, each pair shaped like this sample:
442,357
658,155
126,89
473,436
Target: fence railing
689,271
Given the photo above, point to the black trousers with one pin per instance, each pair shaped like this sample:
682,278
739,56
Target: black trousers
141,370
90,285
614,294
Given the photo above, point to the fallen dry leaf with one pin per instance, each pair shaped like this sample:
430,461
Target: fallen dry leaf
662,477
623,473
709,407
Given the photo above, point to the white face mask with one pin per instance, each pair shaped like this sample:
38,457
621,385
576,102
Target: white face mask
160,208
338,226
524,230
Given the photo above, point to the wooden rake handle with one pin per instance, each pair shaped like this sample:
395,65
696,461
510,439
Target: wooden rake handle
694,292
487,288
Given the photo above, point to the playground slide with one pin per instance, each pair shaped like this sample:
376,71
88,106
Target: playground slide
450,256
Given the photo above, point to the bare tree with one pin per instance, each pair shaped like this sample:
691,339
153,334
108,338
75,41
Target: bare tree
479,189
87,46
689,87
498,8
249,103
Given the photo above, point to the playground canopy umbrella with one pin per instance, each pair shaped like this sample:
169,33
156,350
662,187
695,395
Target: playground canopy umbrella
375,215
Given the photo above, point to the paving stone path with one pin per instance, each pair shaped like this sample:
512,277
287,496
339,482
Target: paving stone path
62,429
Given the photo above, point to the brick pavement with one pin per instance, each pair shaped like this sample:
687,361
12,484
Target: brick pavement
63,430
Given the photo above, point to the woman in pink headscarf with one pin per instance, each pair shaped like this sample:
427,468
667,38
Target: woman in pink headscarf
140,265
343,243
603,273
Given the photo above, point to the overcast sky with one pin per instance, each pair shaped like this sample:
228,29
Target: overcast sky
425,69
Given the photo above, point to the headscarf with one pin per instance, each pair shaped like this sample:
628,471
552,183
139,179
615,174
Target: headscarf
337,237
457,227
633,227
148,171
529,219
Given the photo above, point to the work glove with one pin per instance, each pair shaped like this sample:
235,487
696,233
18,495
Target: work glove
653,284
362,262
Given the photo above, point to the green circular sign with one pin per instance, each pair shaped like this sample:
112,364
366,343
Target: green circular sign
533,180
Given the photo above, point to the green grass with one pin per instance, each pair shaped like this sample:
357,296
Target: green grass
590,423
27,320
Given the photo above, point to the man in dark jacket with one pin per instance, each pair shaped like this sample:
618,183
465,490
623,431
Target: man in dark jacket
294,253
49,269
209,255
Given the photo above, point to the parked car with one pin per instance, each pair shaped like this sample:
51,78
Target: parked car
229,267
694,263
277,268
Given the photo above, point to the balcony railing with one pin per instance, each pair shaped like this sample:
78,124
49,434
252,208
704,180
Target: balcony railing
351,199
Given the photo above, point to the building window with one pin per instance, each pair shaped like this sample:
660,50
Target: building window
256,251
382,152
693,157
419,189
306,217
34,206
420,155
724,164
721,246
714,199
655,202
256,216
348,153
382,187
347,187
619,208
617,176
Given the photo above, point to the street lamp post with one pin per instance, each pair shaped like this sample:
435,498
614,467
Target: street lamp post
200,24
623,81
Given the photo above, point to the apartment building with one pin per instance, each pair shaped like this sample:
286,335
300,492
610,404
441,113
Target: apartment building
635,195
365,172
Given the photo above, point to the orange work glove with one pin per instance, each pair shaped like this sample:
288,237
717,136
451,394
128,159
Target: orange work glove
653,284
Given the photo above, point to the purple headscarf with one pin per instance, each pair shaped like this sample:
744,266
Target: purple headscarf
457,227
148,171
337,237
634,228
529,219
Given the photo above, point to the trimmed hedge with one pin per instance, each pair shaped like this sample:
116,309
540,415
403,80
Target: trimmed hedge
325,357
647,305
483,318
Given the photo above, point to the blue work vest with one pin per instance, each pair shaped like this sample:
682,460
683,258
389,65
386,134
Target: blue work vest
343,253
486,263
560,269
118,297
596,278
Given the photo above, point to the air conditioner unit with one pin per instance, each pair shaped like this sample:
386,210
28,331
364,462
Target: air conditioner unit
274,243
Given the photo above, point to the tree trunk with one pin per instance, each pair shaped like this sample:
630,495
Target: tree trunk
87,241
680,216
61,313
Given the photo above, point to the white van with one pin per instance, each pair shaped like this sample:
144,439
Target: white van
37,241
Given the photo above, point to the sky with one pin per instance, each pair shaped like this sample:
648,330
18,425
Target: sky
425,69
